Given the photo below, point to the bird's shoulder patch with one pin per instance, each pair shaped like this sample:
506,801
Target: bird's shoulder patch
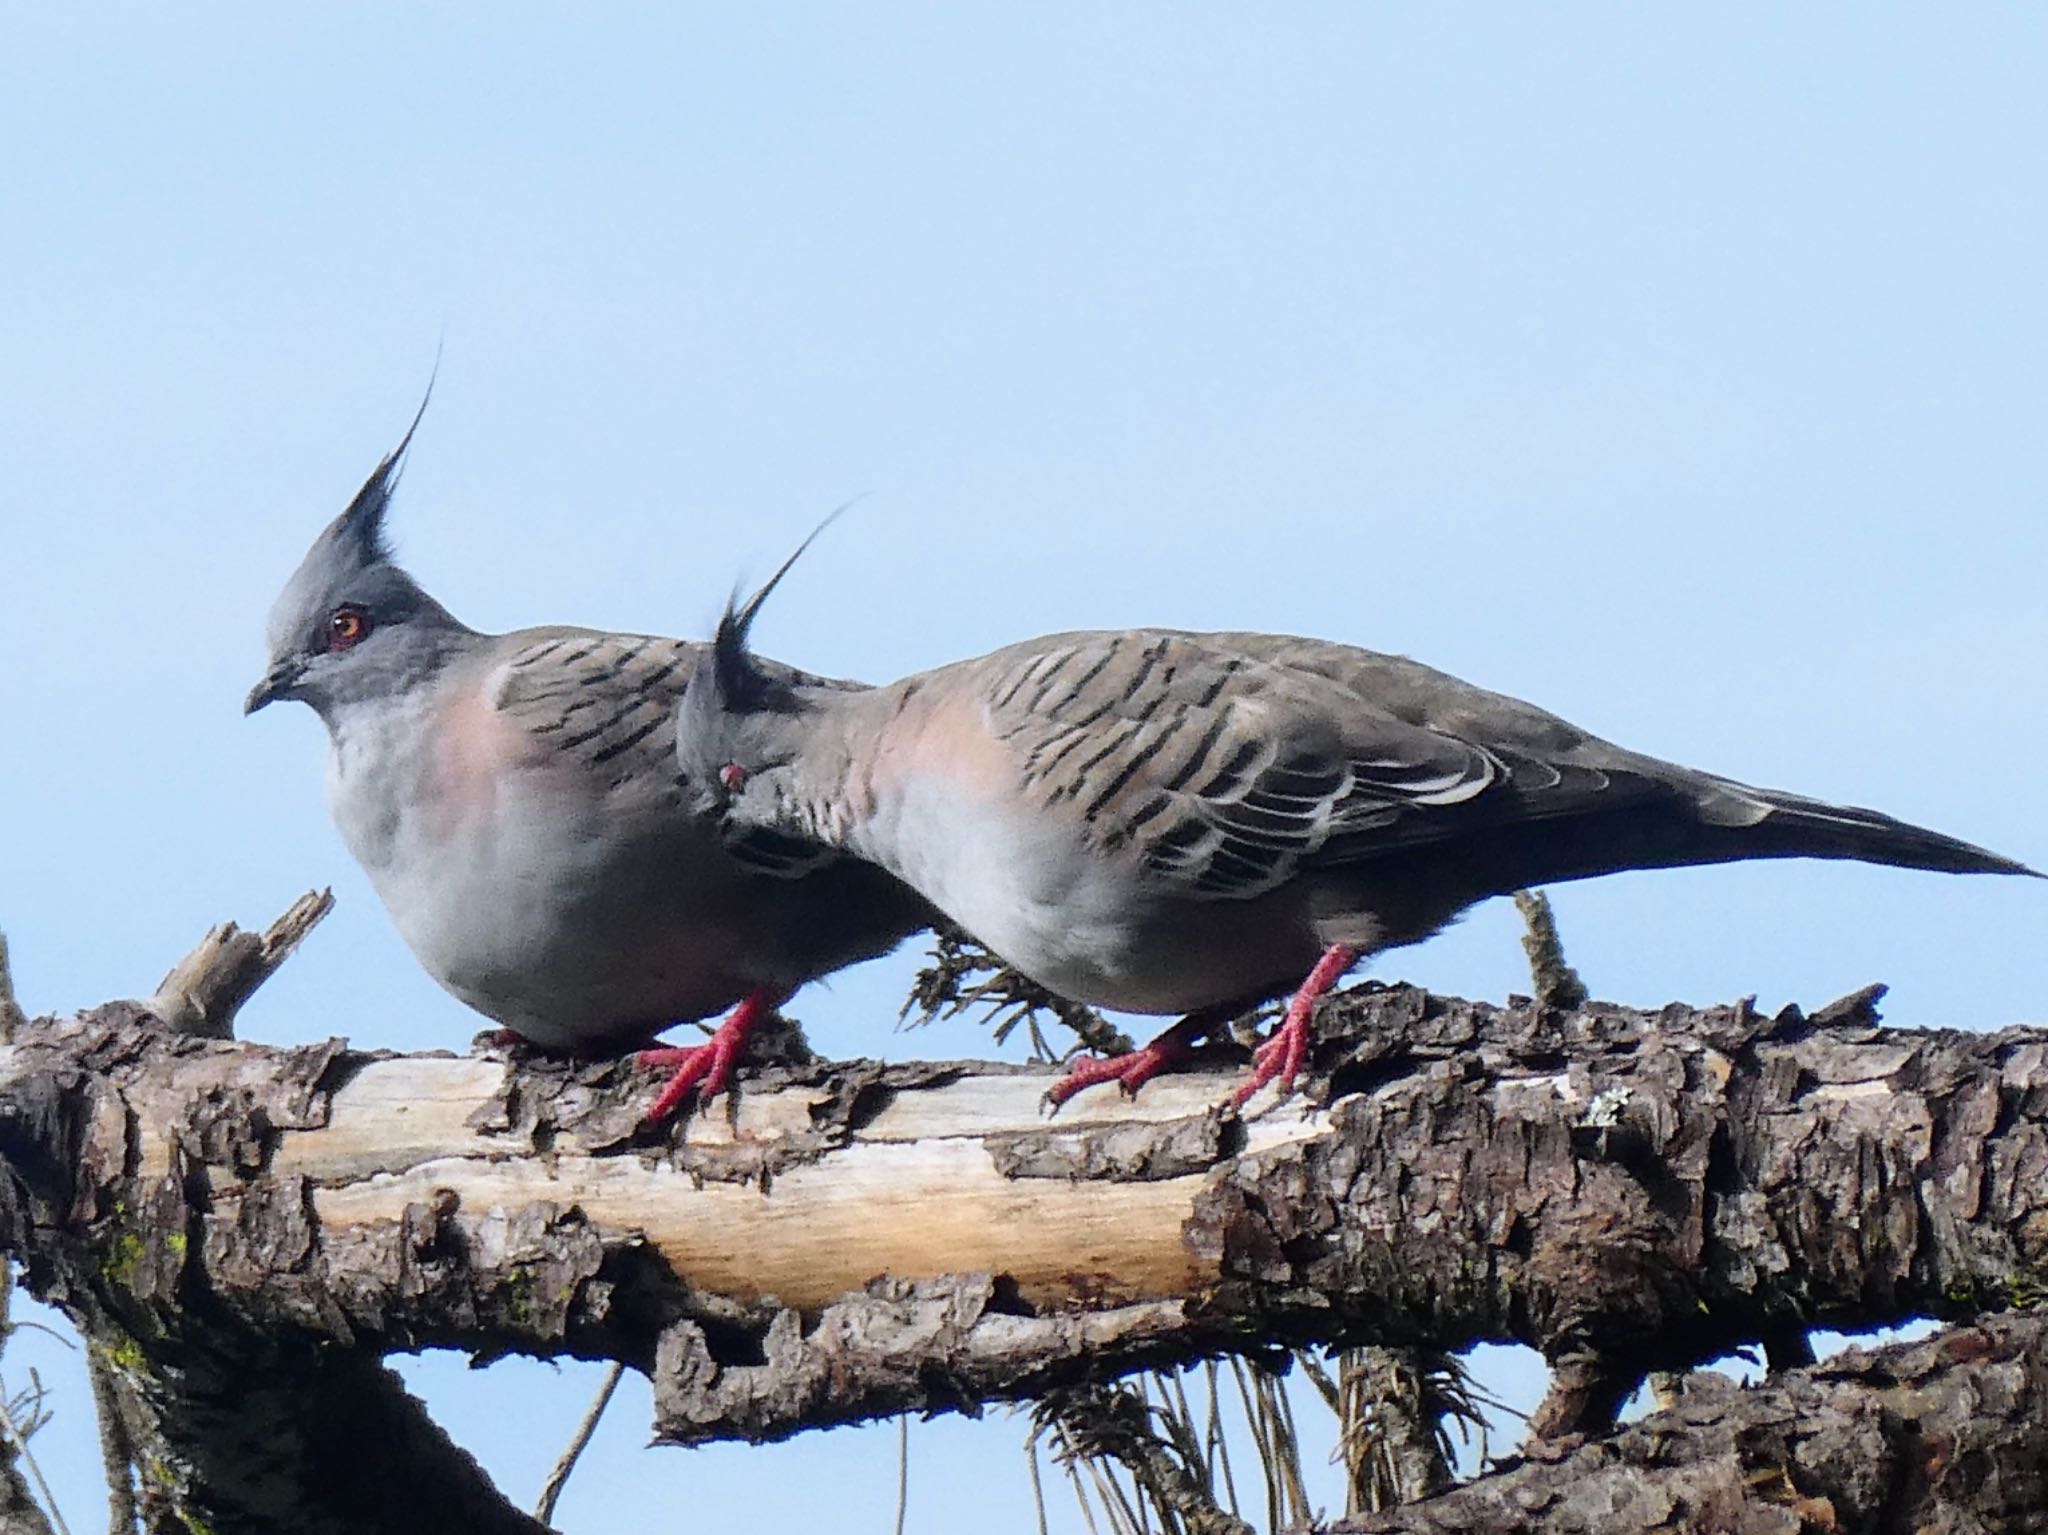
604,701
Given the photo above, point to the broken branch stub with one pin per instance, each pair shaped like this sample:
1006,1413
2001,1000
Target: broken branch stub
206,988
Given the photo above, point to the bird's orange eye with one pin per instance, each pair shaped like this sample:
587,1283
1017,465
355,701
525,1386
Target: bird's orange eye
345,626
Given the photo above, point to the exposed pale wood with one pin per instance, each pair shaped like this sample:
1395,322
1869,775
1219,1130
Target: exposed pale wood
825,1231
400,1131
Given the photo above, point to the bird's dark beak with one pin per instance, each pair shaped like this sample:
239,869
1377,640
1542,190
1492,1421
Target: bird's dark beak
277,683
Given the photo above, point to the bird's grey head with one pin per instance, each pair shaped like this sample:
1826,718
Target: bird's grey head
350,625
740,724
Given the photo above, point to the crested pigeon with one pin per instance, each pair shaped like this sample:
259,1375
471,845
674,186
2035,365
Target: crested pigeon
1167,822
515,800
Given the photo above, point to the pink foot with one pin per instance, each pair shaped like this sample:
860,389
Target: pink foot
1280,1057
706,1067
1131,1071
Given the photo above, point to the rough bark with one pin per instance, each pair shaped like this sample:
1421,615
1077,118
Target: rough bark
1940,1437
1625,1191
282,1435
1394,1388
152,1481
235,1424
19,1512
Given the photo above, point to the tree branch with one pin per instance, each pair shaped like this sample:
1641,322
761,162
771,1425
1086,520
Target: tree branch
203,1425
1557,983
565,1463
261,1435
20,1513
11,1015
1944,1434
1625,1191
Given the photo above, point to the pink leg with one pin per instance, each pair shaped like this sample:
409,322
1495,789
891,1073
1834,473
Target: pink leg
709,1064
1134,1070
1282,1055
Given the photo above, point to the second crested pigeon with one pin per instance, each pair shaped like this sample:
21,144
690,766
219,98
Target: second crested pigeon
1166,822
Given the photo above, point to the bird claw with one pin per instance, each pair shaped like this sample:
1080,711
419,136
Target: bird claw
707,1067
1278,1059
1130,1071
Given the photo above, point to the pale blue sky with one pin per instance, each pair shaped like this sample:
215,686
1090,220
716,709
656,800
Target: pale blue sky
1684,372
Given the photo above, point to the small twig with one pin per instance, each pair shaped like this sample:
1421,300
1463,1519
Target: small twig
902,1470
207,987
11,1015
1557,983
117,1447
1262,1444
30,1516
947,987
1115,1423
1104,1423
28,1458
551,1489
1219,1448
1088,1508
1122,1515
1274,1399
1187,1430
1037,1485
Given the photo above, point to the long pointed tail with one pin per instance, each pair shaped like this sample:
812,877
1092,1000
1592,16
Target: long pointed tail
1700,819
1766,823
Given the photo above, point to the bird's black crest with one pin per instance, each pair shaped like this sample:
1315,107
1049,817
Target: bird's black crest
741,681
361,524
